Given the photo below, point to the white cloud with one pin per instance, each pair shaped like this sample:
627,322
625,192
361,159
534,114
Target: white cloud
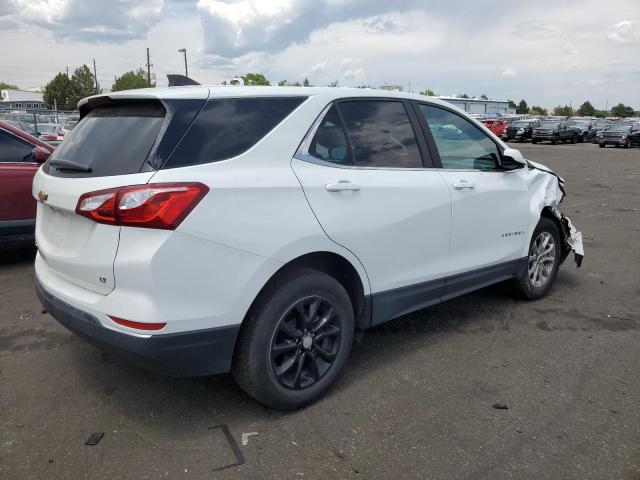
89,21
509,73
626,32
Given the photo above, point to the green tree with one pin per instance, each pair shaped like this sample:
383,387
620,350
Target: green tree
306,83
255,79
512,104
586,109
561,111
522,107
622,110
462,95
59,92
484,97
429,93
535,110
131,80
601,114
7,86
335,83
82,85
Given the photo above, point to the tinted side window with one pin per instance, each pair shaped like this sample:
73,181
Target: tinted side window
330,142
13,149
460,143
380,134
225,128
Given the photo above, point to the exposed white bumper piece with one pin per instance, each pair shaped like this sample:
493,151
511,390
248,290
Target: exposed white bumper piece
553,195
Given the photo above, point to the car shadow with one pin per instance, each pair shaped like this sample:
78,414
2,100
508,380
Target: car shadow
184,403
17,253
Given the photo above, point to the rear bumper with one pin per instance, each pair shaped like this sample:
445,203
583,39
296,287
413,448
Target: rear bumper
188,354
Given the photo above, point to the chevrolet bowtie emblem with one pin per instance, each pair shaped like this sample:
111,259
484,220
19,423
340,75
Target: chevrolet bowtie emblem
42,196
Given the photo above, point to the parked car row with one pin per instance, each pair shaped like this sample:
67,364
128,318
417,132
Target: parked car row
620,133
48,128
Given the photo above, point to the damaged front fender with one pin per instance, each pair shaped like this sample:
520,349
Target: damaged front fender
548,196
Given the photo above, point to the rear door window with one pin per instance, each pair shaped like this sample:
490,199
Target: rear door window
330,142
226,128
13,149
380,134
110,140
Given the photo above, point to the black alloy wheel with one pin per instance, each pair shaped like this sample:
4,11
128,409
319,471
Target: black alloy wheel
305,342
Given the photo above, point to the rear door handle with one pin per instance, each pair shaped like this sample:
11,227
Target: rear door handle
342,186
464,184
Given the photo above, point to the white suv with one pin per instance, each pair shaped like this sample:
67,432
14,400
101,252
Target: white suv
200,230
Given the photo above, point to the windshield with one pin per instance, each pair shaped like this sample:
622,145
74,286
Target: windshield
579,123
550,124
520,124
112,140
48,128
620,128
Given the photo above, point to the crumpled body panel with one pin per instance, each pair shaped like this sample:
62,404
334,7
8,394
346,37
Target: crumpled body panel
549,194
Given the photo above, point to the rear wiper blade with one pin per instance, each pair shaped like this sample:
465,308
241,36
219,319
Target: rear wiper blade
69,165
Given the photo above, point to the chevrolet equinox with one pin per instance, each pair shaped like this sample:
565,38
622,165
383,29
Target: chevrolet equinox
200,230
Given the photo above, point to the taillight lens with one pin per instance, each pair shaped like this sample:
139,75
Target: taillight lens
137,325
158,205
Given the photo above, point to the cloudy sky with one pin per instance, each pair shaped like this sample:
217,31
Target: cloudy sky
547,51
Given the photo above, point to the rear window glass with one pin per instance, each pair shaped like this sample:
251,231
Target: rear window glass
226,128
109,140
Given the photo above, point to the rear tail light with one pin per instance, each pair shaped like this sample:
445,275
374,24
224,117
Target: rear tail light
157,205
61,133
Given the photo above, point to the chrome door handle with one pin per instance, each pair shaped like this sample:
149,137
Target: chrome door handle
462,184
342,186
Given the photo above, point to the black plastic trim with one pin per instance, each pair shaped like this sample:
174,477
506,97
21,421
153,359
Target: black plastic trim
17,227
188,354
401,301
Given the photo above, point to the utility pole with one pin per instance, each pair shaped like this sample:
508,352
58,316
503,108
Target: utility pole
95,75
148,69
67,71
184,50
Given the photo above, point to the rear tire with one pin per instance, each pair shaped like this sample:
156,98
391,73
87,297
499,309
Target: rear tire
627,144
295,341
543,261
601,145
574,139
534,141
554,140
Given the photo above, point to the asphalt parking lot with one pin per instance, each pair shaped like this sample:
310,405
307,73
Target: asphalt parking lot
415,401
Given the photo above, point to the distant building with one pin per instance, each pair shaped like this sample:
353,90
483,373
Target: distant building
21,100
479,106
393,88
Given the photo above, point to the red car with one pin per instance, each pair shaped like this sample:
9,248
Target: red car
497,126
20,156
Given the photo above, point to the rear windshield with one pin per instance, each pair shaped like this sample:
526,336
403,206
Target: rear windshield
109,140
225,128
520,124
550,124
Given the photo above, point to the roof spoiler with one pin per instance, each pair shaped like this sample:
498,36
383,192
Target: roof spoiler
180,80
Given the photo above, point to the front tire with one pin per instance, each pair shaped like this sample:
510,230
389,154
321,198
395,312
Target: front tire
601,145
554,140
296,340
574,139
543,261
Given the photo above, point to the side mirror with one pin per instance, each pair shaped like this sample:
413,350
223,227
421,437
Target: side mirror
40,154
512,159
